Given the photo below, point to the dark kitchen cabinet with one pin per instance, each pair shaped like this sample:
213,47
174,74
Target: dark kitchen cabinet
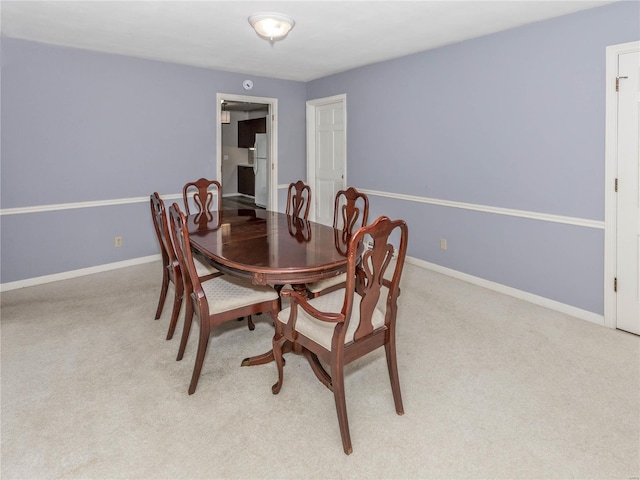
247,130
246,181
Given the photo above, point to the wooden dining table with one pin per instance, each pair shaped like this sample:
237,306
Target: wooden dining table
269,248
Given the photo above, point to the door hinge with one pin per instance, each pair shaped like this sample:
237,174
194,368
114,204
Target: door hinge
618,83
615,284
616,185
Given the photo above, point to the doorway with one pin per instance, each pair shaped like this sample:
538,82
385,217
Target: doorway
235,155
622,177
326,154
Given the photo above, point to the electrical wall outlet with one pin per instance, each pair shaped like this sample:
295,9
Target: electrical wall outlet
443,244
117,242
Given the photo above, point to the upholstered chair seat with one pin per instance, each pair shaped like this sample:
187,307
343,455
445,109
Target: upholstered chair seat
322,332
321,285
228,293
203,268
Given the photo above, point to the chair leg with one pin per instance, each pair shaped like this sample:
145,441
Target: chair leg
188,318
337,375
278,342
250,323
392,365
278,289
205,330
177,305
163,292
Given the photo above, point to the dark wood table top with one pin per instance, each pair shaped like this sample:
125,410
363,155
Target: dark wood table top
268,247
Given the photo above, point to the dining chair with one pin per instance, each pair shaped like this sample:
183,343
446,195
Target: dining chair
351,210
213,301
342,326
202,193
170,266
298,199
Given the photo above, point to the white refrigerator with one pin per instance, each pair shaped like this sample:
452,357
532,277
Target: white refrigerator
261,170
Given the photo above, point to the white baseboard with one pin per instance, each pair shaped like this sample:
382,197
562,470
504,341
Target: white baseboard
513,292
30,282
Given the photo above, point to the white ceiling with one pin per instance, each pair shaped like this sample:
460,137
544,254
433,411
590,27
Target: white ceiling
329,36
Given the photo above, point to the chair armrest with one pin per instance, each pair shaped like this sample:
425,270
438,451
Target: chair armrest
298,299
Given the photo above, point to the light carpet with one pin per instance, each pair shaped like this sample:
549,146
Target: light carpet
493,388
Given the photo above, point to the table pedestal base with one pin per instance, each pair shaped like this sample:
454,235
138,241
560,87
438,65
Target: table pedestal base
298,349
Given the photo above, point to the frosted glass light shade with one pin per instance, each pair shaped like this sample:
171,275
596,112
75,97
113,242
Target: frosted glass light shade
271,25
225,116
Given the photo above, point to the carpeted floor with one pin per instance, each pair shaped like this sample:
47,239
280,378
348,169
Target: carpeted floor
493,388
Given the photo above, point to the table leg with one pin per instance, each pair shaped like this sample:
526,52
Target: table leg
265,357
318,369
258,359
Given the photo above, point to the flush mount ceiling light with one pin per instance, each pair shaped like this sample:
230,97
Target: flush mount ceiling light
273,26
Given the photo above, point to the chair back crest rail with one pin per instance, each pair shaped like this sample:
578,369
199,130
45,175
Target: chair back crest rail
351,211
202,192
298,199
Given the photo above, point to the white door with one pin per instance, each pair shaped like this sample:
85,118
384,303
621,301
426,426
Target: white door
328,152
628,214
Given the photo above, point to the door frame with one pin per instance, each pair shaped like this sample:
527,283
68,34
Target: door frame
272,131
611,169
312,105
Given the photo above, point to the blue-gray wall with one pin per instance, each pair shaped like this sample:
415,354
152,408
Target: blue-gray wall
81,126
512,120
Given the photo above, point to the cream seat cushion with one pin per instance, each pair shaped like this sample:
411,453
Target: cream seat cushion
316,287
227,293
204,268
322,332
